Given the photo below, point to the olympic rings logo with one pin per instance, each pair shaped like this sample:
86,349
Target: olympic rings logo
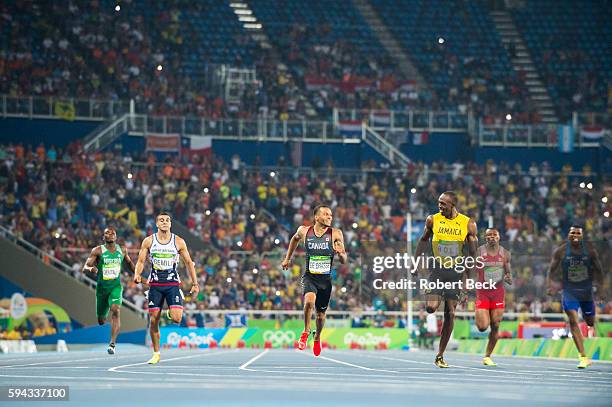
279,338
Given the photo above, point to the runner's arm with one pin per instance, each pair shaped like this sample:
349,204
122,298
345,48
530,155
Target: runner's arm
293,243
128,260
472,246
425,237
142,257
338,238
508,268
184,253
90,263
598,274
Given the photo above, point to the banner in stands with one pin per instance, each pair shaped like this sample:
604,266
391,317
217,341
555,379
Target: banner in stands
595,348
163,143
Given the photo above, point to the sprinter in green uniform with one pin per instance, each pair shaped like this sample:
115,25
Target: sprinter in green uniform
106,261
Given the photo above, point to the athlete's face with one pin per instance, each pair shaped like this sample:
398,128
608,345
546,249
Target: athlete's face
575,235
492,237
110,236
445,205
163,223
324,217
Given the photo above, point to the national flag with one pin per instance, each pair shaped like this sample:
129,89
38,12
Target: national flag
592,133
380,118
420,138
566,138
350,128
65,110
163,143
196,145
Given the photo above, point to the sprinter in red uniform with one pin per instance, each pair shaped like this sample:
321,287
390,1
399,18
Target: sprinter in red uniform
490,303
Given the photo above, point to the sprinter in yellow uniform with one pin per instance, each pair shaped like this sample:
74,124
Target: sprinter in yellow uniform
451,234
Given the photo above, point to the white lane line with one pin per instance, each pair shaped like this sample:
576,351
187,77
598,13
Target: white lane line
64,377
349,364
492,372
253,359
70,361
536,358
205,352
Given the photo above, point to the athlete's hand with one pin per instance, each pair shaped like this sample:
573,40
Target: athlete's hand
339,247
508,279
92,269
195,289
137,279
285,264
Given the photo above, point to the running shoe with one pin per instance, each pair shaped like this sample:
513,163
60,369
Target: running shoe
584,362
316,348
487,361
111,348
154,359
303,340
440,362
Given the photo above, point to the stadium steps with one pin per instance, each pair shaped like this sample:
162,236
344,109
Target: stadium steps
107,132
24,267
384,147
391,44
522,62
257,31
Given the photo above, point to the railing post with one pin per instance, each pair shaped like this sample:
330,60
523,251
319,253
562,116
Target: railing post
304,131
335,116
505,135
284,130
183,126
324,131
31,107
165,125
392,119
240,125
202,126
430,120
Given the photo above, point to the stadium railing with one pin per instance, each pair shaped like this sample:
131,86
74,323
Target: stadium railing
58,264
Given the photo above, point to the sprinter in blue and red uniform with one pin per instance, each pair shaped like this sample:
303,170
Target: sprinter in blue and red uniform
578,265
322,242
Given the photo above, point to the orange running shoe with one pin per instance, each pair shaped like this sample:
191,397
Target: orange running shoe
303,340
316,348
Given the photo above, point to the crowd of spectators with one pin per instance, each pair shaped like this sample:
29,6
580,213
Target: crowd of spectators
61,199
115,55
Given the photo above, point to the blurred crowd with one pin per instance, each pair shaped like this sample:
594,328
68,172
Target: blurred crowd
243,217
109,55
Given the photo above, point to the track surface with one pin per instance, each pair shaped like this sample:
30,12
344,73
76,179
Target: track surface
255,377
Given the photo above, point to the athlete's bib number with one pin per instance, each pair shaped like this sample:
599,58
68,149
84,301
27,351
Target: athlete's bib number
162,264
319,264
448,249
110,273
494,273
577,273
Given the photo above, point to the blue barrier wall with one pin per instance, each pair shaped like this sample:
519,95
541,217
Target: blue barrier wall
448,147
50,132
94,334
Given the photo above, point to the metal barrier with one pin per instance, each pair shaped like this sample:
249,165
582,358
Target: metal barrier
34,107
59,265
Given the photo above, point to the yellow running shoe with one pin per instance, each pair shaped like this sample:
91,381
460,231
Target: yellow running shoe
154,359
440,362
487,361
584,362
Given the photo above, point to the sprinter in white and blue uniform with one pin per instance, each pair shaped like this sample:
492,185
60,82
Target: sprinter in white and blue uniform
163,249
577,267
322,243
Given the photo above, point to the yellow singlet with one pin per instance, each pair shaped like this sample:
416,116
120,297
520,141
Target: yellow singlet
448,238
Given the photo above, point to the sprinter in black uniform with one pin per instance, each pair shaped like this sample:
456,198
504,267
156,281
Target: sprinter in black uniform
321,242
